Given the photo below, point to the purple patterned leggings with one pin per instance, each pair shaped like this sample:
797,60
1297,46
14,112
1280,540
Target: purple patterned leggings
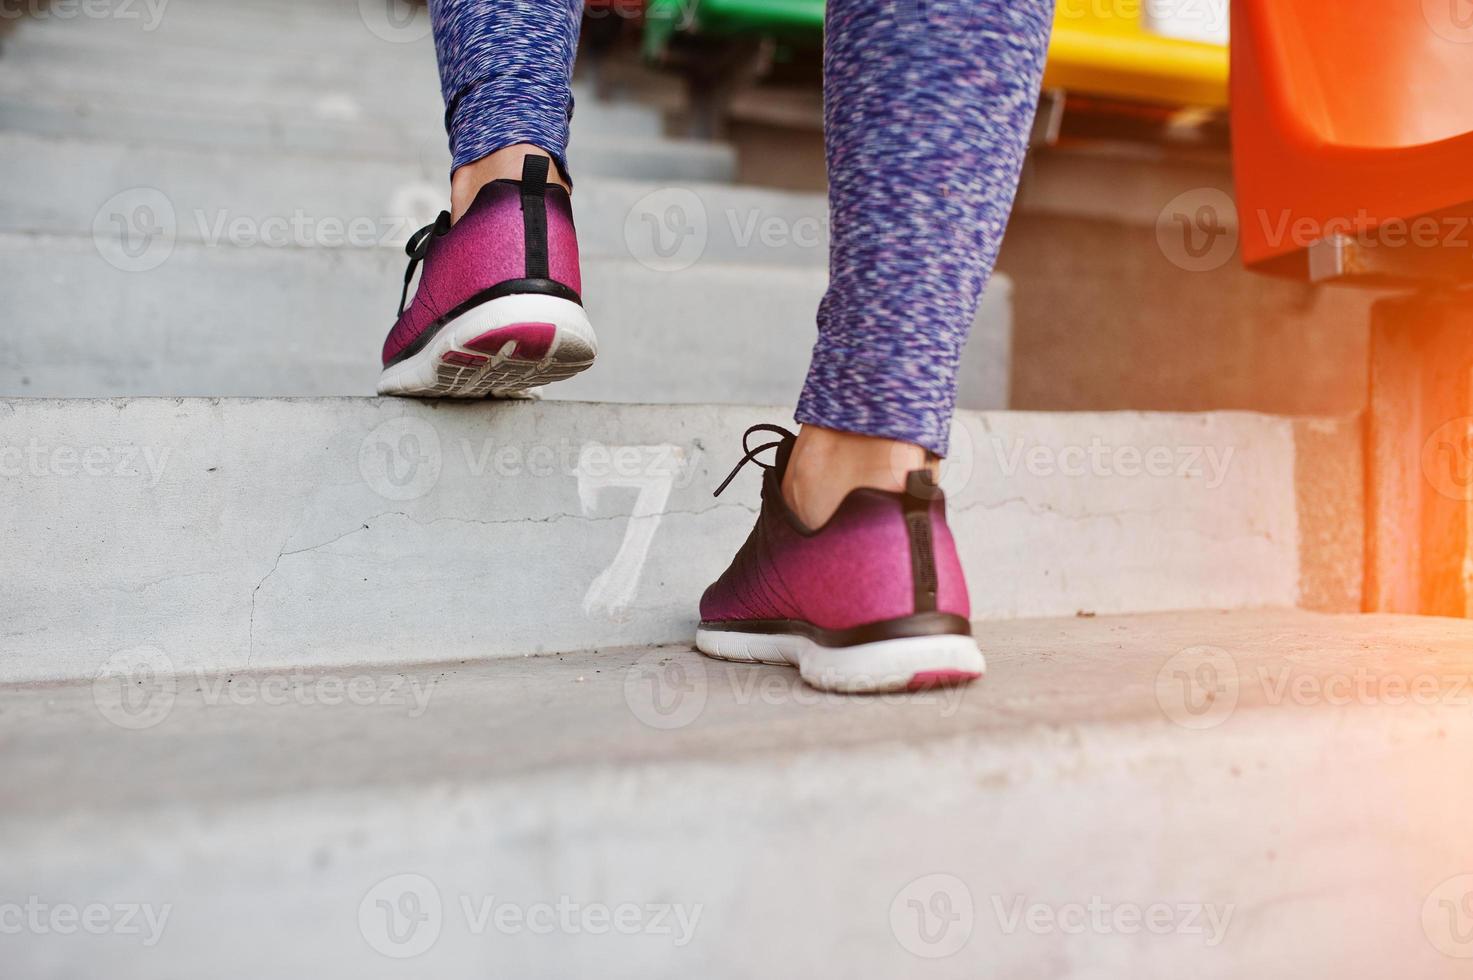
927,110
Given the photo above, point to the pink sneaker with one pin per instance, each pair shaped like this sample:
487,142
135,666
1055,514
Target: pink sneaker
497,310
872,601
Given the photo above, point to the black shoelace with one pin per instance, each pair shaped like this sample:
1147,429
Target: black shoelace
416,248
752,451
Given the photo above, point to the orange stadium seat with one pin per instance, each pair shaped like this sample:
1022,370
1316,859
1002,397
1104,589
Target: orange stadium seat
1350,117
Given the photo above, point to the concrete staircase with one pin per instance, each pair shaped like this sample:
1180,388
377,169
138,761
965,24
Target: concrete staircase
691,818
296,681
231,168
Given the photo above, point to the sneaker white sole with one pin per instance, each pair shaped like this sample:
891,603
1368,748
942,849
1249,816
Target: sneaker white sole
908,663
502,347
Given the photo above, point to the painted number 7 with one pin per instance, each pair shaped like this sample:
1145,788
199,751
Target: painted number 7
613,590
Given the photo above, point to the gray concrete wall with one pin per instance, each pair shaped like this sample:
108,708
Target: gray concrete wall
1104,320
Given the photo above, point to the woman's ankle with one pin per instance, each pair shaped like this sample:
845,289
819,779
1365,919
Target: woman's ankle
827,464
505,164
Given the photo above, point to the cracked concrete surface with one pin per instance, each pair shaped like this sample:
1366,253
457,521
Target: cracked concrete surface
322,531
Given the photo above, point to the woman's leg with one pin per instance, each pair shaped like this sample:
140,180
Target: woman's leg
499,307
928,105
506,69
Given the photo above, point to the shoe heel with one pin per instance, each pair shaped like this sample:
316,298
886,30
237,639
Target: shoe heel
501,347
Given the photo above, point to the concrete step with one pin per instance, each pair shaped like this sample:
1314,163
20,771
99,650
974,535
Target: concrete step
288,80
330,84
286,96
62,185
382,32
1174,795
311,532
147,55
259,128
88,319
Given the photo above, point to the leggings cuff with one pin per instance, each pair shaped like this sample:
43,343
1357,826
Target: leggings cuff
494,114
911,401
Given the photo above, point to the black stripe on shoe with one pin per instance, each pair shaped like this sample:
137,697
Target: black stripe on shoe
534,214
920,490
